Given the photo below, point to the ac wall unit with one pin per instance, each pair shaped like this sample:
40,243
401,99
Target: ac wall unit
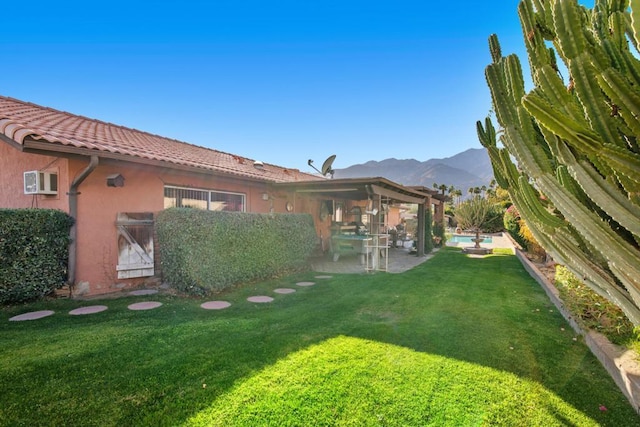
36,182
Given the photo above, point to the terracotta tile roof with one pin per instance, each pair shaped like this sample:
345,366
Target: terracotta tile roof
23,122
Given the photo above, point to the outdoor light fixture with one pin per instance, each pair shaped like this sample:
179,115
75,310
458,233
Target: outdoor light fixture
115,180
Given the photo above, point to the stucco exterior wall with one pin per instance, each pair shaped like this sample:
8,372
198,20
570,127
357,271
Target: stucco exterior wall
143,191
14,163
98,206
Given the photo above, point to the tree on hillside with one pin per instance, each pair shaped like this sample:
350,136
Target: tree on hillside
574,140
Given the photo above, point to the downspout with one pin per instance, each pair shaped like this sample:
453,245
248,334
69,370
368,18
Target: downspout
73,212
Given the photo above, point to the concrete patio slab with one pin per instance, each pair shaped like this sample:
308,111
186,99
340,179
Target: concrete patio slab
400,260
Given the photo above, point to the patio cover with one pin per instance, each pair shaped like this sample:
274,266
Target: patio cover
359,189
364,189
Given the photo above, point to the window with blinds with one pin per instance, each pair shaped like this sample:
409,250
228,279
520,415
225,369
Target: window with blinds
179,197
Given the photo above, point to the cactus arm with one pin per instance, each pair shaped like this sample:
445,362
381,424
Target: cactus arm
619,254
635,22
568,143
579,53
505,81
582,138
623,96
602,192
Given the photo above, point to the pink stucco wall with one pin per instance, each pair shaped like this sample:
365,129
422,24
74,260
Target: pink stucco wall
143,191
13,164
99,205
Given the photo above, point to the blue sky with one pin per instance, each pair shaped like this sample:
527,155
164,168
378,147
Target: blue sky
276,81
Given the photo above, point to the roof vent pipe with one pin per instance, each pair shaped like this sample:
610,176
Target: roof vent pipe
73,212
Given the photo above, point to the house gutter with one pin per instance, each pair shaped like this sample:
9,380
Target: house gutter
73,212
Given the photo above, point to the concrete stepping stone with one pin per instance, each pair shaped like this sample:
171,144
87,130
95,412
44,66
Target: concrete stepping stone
140,292
324,277
284,291
88,310
146,305
305,283
215,305
260,298
32,315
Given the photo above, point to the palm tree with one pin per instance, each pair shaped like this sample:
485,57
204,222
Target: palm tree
457,193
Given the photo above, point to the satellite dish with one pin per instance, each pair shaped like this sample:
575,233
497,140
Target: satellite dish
326,166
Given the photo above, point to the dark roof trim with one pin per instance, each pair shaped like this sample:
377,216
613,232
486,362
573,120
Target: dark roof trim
358,189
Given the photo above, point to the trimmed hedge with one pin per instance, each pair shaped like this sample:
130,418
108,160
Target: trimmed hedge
203,252
34,253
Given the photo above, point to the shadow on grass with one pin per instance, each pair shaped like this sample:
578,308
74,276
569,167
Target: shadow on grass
164,366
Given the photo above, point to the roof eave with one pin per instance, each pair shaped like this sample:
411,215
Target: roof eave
30,145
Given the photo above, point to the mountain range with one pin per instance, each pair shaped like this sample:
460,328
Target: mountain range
470,168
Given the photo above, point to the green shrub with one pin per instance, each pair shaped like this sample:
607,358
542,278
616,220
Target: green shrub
592,311
511,222
203,252
439,232
34,252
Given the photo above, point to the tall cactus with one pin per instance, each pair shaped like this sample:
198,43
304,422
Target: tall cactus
575,139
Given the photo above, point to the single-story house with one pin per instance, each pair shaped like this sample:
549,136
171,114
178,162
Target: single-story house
113,180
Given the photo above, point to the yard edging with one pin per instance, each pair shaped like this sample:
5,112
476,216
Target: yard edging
622,364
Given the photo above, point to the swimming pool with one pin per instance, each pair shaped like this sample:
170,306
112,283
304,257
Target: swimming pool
466,238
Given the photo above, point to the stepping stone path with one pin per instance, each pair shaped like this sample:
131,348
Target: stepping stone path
32,315
147,305
305,283
88,310
215,305
260,298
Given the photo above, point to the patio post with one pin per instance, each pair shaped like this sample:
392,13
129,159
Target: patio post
420,231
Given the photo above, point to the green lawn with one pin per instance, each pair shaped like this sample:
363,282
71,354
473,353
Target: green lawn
455,341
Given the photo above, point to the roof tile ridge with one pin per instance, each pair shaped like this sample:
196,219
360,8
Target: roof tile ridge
142,133
102,122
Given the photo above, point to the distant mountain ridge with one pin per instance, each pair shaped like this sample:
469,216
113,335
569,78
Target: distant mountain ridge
471,168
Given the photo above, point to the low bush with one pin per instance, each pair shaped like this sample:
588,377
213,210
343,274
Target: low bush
511,222
34,252
439,233
592,311
204,252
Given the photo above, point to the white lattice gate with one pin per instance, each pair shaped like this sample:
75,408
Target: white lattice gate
135,245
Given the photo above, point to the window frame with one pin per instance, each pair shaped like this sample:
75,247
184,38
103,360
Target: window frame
209,194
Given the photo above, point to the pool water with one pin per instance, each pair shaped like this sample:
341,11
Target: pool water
459,238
